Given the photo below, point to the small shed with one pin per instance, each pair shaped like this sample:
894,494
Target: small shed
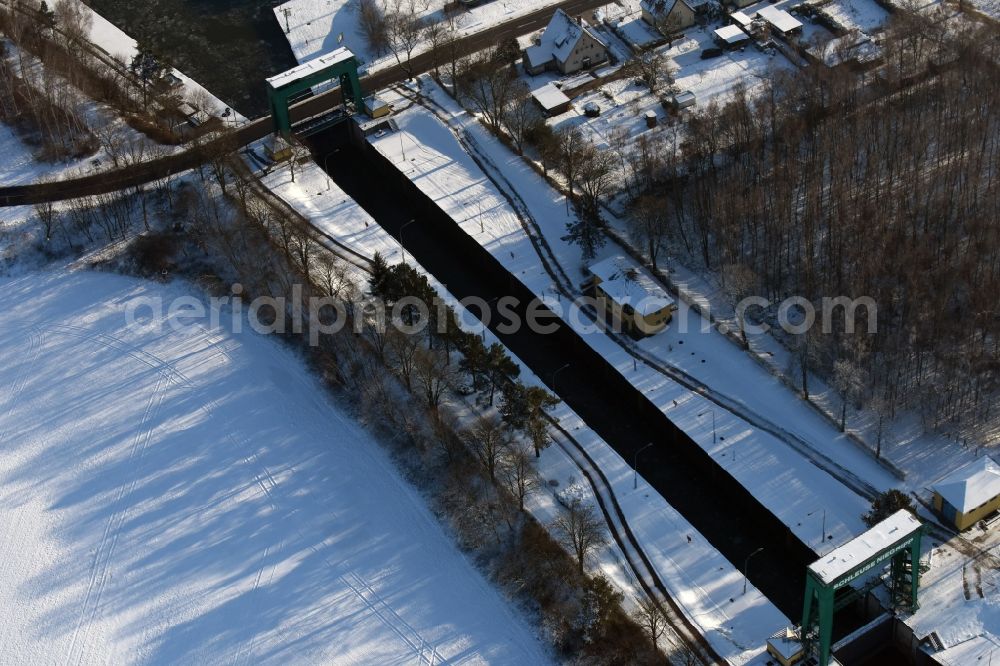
552,100
780,21
968,494
376,107
650,119
683,100
730,36
786,647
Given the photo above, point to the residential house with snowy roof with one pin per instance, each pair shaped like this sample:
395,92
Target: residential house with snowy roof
669,16
968,494
631,296
566,46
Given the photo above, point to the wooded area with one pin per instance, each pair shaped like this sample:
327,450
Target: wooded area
838,183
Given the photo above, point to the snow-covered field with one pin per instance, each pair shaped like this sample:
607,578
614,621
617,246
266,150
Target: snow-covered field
19,166
192,497
863,15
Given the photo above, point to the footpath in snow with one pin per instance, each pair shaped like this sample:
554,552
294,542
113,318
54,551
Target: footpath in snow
193,496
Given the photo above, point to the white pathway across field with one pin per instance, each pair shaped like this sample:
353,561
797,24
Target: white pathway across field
192,497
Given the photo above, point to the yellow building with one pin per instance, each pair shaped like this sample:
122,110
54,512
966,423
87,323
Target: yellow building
968,494
631,296
786,647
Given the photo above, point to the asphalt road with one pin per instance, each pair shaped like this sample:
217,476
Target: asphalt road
132,176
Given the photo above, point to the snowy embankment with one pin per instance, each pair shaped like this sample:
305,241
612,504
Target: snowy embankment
193,496
706,585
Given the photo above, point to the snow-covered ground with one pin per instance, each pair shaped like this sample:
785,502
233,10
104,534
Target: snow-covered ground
193,497
711,80
863,15
989,7
20,167
316,27
706,585
960,596
626,17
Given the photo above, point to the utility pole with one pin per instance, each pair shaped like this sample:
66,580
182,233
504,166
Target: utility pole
635,467
287,11
555,374
746,568
713,422
401,246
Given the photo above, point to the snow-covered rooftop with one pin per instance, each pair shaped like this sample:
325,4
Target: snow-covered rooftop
971,651
550,97
628,284
559,39
855,552
786,644
741,18
731,34
308,68
780,19
664,7
971,485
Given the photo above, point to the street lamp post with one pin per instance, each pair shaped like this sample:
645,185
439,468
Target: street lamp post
635,467
713,422
555,374
487,315
401,246
326,167
823,537
746,568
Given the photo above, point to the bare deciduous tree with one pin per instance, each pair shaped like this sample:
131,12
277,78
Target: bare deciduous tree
489,440
650,617
580,530
518,473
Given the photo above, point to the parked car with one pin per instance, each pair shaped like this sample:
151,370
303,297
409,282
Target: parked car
591,110
713,52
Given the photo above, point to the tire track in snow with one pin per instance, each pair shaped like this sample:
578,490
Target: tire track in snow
101,565
380,608
262,478
17,386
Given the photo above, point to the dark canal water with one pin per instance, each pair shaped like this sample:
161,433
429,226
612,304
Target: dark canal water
229,46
